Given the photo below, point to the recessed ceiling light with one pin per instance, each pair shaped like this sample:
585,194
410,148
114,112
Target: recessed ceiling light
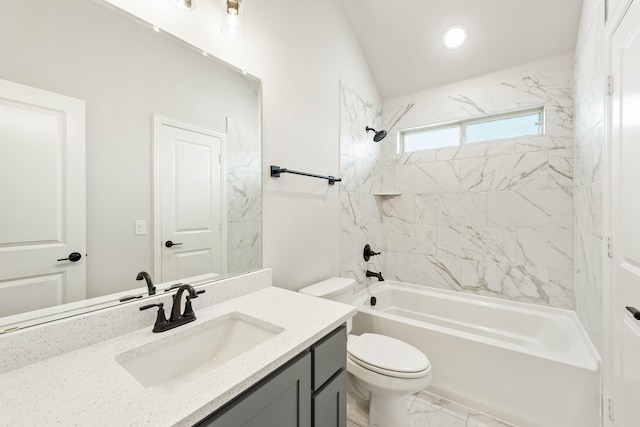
455,37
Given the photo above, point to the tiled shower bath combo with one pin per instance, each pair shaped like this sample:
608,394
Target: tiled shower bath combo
489,219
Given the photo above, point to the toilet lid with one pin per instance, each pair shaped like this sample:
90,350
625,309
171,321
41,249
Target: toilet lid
388,354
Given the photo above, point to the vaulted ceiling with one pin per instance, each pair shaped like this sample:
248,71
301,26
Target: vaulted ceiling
402,39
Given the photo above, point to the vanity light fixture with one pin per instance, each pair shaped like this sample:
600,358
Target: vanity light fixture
454,37
184,4
233,7
233,25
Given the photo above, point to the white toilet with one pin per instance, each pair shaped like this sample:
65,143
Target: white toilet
382,370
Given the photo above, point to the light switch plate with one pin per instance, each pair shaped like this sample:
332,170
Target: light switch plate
140,227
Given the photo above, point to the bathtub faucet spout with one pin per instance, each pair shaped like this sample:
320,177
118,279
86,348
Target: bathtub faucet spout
378,275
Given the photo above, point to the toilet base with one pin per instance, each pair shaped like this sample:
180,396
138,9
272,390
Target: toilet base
382,398
388,411
357,413
384,411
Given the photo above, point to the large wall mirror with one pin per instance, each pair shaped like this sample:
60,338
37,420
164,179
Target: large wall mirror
122,149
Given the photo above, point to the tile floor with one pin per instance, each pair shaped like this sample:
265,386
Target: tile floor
428,410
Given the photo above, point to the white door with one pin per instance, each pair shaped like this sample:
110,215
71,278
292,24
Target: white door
625,171
42,197
191,179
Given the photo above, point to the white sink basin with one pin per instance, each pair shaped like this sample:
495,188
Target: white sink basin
195,350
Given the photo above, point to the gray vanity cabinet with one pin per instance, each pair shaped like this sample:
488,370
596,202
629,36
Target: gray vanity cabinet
283,399
329,380
308,391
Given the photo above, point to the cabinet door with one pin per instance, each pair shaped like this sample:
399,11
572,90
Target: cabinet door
283,399
329,404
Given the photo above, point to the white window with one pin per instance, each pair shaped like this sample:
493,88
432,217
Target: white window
512,124
437,137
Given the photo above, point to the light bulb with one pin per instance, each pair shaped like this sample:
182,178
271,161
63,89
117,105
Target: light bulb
455,37
233,7
233,21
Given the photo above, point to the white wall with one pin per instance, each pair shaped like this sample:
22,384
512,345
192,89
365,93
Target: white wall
300,50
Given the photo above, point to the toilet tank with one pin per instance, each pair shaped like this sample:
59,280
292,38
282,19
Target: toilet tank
335,289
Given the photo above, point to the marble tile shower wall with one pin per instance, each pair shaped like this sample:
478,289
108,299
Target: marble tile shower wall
492,218
360,218
589,137
244,245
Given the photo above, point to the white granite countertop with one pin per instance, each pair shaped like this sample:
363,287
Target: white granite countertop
89,387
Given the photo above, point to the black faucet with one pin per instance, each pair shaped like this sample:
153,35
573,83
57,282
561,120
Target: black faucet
177,302
176,319
378,275
144,275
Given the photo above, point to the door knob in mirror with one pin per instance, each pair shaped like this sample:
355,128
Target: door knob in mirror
73,257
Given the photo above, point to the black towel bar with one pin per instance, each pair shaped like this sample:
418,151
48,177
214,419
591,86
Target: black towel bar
277,170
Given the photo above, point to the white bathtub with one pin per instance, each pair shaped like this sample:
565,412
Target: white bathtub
530,365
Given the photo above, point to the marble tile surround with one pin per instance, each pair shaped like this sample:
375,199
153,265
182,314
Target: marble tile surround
244,193
589,139
360,216
492,218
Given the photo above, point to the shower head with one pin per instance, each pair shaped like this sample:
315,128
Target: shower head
379,136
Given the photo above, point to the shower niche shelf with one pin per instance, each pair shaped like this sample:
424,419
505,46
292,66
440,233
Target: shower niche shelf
387,193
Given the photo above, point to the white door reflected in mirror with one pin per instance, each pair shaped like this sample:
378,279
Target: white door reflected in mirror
43,225
191,239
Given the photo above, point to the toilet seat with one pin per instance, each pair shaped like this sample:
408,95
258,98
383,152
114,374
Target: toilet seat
388,356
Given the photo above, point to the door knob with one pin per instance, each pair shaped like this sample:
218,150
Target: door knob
170,244
635,312
73,257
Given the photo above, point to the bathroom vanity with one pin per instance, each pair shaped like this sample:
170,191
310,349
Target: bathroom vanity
282,360
310,390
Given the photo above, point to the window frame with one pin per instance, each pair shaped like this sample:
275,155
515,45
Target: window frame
463,123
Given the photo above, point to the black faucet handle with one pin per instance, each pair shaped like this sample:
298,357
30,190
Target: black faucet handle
368,252
173,297
172,287
148,306
161,318
188,310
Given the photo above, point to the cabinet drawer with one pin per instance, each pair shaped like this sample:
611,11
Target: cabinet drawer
329,355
